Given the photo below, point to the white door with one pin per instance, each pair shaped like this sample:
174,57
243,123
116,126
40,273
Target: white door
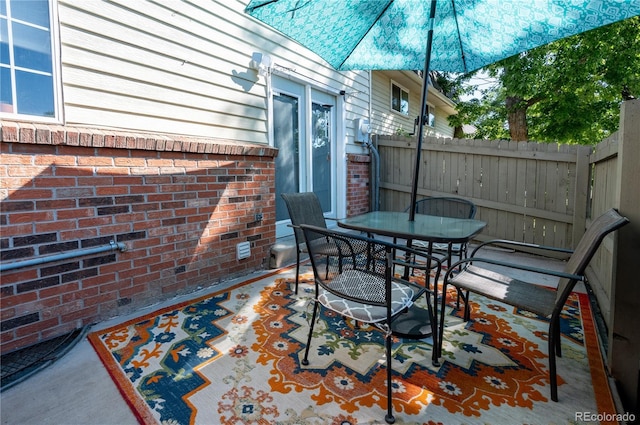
304,131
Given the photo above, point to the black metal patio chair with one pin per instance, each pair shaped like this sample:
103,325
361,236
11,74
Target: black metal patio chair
443,206
446,206
305,208
361,283
537,299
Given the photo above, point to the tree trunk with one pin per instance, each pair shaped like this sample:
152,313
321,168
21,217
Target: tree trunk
517,117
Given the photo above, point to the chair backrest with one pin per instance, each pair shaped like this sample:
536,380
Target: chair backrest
586,249
304,208
360,260
366,270
445,207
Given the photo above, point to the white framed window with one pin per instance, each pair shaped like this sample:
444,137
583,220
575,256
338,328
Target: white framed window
399,99
29,67
431,118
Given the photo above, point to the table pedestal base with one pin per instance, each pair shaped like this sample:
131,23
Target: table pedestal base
414,324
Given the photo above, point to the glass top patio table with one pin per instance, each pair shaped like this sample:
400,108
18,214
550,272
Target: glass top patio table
417,322
428,228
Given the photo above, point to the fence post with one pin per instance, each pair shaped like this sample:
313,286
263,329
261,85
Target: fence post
624,337
581,194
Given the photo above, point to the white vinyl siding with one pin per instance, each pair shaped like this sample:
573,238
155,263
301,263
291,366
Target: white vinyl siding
178,67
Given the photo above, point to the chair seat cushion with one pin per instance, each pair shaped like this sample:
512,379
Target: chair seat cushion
528,296
366,286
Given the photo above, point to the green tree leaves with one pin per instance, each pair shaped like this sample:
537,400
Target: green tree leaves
568,91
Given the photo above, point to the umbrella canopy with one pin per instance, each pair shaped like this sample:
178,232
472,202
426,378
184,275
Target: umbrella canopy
444,35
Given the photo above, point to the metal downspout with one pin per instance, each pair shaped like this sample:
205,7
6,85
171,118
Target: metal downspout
375,186
376,165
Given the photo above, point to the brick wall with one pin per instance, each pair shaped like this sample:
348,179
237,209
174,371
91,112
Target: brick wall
358,196
179,205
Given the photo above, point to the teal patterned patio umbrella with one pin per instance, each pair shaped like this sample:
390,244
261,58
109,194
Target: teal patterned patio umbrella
445,35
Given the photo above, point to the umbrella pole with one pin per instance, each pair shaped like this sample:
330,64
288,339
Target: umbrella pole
423,113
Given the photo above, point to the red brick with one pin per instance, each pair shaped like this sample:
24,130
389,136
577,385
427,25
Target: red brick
31,217
17,230
112,190
35,328
76,213
81,314
64,328
13,343
13,300
58,290
53,226
94,222
31,194
79,294
54,182
9,131
100,299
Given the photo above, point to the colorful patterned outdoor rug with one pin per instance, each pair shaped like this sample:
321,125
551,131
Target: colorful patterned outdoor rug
234,358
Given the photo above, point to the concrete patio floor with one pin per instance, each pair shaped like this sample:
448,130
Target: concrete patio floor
77,389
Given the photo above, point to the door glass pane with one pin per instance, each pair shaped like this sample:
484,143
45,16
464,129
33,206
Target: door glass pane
321,153
286,139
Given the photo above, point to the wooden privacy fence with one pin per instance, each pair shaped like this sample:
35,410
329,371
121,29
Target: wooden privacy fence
545,194
524,191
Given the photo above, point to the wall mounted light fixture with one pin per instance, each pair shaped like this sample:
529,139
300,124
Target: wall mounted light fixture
260,62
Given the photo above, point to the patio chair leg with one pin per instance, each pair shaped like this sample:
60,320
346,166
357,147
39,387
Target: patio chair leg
434,330
553,379
305,360
467,308
465,298
297,269
558,339
389,416
437,346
